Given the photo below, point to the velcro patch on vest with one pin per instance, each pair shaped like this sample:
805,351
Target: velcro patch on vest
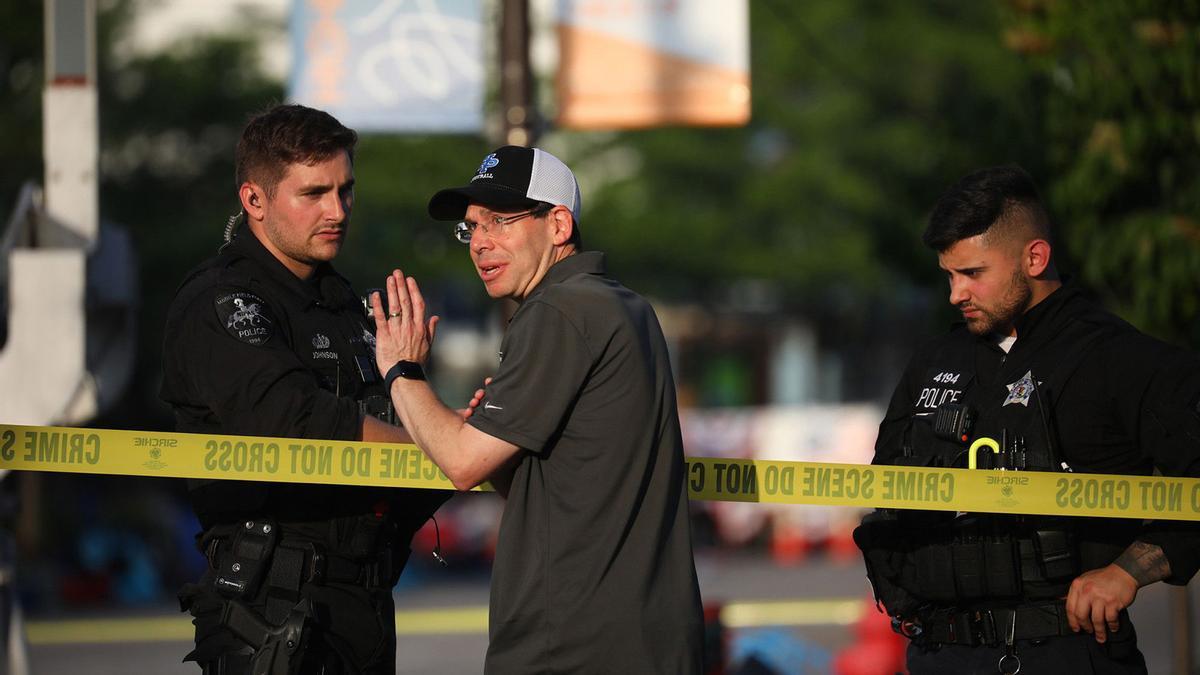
940,386
245,316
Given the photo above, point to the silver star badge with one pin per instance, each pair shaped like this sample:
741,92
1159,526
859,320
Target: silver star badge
1020,391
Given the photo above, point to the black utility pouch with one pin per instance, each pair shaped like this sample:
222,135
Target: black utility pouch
1002,561
1057,554
365,535
935,580
970,571
244,560
881,540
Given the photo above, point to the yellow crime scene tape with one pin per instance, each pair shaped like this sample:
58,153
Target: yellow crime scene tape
180,455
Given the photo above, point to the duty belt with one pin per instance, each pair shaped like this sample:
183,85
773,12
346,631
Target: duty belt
986,627
298,562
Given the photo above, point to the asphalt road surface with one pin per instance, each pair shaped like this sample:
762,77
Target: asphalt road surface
803,613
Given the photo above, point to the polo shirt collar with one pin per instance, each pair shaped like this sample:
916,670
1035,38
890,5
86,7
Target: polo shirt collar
587,262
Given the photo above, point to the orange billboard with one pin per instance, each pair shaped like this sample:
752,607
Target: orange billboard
653,63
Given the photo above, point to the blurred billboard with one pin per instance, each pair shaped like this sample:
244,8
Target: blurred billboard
390,65
654,63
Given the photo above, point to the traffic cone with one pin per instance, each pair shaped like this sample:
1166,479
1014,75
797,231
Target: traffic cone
878,650
841,546
789,544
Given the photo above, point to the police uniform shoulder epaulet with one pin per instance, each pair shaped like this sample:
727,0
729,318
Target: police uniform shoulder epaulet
1085,307
243,312
199,279
955,336
957,340
213,270
1099,316
1098,321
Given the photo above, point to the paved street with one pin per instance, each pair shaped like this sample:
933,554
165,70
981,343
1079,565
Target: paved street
809,609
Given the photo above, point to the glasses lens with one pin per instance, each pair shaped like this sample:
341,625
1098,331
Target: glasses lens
462,232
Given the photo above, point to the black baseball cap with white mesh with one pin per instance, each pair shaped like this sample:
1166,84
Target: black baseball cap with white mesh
511,177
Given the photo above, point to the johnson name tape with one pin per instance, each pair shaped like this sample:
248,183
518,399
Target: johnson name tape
179,455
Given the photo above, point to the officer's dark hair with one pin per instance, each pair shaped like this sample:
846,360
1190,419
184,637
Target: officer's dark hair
1001,201
288,134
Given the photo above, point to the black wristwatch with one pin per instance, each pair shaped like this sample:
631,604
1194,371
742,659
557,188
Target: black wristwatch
409,370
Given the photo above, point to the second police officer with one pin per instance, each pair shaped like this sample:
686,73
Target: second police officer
1060,385
266,339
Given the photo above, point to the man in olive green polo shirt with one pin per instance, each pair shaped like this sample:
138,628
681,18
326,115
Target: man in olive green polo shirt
579,429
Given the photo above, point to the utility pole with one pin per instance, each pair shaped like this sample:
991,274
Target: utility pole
516,77
516,89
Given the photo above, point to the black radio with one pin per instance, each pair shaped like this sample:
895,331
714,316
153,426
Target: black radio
953,422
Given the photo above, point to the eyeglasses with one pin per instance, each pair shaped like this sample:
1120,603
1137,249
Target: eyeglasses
499,225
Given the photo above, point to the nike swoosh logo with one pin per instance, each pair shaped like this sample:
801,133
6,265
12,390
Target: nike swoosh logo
489,406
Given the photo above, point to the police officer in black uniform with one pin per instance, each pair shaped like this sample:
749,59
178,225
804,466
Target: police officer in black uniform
1060,385
267,339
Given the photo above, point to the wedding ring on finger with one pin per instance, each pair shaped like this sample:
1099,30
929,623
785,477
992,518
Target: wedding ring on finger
393,315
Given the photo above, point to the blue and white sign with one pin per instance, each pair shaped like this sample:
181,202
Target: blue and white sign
390,65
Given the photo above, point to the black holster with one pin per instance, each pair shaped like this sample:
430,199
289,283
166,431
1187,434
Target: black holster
252,609
240,557
278,650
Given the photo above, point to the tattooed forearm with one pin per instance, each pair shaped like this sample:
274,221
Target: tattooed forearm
1144,562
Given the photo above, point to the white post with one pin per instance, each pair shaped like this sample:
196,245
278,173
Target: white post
70,136
43,362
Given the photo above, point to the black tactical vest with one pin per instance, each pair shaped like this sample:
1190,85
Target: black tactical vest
961,560
331,336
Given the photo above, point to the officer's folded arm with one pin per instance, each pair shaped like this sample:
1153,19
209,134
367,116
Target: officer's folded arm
1097,596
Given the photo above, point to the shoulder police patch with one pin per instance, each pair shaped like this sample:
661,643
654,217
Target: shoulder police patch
245,316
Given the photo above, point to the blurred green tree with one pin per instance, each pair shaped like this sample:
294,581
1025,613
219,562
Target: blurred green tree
862,113
21,76
1122,125
169,121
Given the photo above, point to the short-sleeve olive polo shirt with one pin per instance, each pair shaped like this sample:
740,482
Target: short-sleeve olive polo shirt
594,570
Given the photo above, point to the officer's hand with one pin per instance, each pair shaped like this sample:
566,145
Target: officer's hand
405,335
475,401
1095,599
